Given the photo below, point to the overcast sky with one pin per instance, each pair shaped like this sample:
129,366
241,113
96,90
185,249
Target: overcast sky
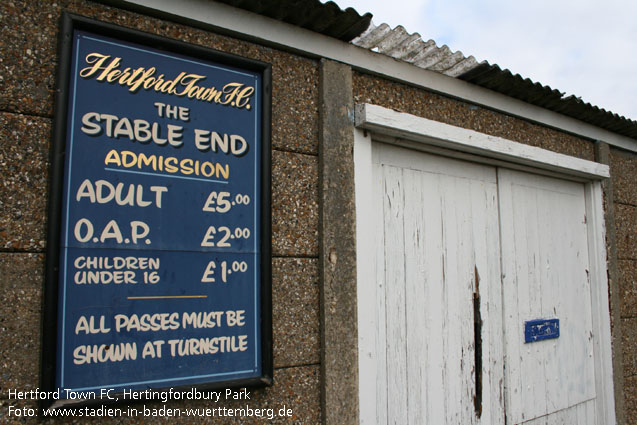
586,48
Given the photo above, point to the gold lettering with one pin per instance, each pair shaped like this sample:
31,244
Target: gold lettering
185,166
222,170
133,76
207,173
186,169
170,168
169,87
213,96
113,75
146,73
123,79
106,68
243,97
97,60
189,82
158,83
129,159
112,157
230,90
146,161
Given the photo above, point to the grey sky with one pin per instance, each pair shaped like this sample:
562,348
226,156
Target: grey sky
586,48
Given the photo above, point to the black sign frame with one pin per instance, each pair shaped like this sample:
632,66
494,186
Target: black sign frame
69,24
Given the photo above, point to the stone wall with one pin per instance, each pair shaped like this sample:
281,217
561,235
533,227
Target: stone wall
624,173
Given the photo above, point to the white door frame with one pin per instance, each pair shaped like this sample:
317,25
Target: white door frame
426,135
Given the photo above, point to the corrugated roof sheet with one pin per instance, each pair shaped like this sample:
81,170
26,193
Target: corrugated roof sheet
401,45
328,19
503,81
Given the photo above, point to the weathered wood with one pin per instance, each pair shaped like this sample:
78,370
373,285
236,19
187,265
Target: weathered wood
581,413
439,226
394,283
487,266
601,318
429,132
415,314
545,265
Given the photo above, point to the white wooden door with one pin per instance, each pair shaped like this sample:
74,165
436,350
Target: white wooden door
437,262
545,275
466,254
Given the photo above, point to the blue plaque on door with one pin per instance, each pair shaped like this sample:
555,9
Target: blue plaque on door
537,330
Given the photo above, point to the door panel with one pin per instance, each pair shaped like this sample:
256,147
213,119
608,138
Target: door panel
440,252
545,276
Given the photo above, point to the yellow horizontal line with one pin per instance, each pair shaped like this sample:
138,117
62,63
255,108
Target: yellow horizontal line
159,297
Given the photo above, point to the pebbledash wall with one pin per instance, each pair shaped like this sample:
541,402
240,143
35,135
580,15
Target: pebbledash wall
313,217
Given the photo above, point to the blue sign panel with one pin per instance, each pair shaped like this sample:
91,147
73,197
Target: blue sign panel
161,229
538,330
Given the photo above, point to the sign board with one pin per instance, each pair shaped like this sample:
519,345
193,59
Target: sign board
541,329
158,269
